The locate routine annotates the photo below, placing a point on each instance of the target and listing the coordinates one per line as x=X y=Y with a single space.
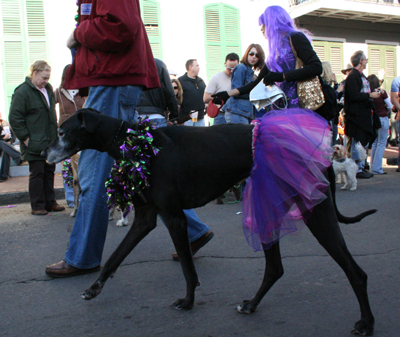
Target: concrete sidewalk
x=15 y=190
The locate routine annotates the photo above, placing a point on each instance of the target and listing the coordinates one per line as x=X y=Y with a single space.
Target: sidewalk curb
x=21 y=197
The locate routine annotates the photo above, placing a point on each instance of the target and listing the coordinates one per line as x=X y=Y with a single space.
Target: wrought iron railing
x=293 y=3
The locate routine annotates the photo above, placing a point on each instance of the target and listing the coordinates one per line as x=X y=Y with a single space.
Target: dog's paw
x=343 y=188
x=246 y=307
x=363 y=327
x=73 y=213
x=183 y=304
x=353 y=188
x=122 y=222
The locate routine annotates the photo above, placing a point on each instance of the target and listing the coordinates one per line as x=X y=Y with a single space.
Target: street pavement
x=313 y=298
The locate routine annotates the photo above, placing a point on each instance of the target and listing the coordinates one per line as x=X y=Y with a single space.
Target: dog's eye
x=60 y=133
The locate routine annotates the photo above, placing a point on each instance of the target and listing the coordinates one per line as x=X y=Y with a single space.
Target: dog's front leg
x=177 y=226
x=273 y=271
x=145 y=221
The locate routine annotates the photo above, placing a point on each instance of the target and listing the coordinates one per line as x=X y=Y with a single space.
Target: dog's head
x=75 y=134
x=339 y=152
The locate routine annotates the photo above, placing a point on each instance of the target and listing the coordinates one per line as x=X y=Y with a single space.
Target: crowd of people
x=118 y=76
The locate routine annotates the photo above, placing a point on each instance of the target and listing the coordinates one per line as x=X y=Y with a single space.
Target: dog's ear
x=89 y=119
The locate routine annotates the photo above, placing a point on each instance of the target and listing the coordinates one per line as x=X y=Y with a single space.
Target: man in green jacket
x=33 y=120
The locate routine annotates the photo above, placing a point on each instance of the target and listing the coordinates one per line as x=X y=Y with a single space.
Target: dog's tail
x=363 y=153
x=341 y=218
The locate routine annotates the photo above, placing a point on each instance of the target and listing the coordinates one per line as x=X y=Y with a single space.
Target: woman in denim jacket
x=239 y=109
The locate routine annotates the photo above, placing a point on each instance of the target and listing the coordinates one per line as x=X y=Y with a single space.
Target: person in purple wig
x=291 y=147
x=280 y=31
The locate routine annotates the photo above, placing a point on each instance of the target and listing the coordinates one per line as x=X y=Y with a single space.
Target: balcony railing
x=293 y=3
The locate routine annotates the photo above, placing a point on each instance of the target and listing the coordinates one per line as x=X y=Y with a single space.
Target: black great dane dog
x=194 y=167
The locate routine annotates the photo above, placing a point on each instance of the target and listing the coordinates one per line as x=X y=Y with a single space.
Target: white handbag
x=266 y=95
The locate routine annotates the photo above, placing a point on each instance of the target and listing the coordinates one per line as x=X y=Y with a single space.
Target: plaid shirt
x=365 y=88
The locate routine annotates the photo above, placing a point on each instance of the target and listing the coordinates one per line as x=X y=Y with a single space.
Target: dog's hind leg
x=273 y=271
x=324 y=226
x=145 y=221
x=177 y=227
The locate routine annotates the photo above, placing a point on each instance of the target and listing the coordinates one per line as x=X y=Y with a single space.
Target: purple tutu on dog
x=291 y=151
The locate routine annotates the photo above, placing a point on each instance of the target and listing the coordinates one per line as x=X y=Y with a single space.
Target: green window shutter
x=333 y=53
x=36 y=34
x=13 y=51
x=24 y=41
x=150 y=12
x=222 y=35
x=319 y=48
x=382 y=57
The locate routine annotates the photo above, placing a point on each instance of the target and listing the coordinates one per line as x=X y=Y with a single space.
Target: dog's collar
x=111 y=144
x=342 y=160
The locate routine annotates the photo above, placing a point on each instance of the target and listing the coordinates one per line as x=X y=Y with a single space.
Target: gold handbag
x=309 y=91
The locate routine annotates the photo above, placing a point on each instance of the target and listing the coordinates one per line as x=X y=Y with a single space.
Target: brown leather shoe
x=63 y=269
x=55 y=208
x=39 y=212
x=197 y=244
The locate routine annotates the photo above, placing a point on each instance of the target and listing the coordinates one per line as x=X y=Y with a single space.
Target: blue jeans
x=90 y=228
x=69 y=195
x=398 y=128
x=235 y=118
x=200 y=122
x=196 y=228
x=219 y=119
x=158 y=122
x=379 y=145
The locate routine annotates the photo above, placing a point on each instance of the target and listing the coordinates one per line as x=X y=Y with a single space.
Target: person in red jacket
x=114 y=59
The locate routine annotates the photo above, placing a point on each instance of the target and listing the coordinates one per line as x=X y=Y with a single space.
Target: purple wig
x=277 y=23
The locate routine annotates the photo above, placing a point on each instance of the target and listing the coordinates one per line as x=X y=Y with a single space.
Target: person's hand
x=273 y=77
x=26 y=142
x=374 y=94
x=220 y=97
x=340 y=87
x=71 y=42
x=381 y=74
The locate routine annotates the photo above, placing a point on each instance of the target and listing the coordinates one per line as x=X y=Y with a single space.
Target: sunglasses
x=176 y=88
x=253 y=53
x=229 y=68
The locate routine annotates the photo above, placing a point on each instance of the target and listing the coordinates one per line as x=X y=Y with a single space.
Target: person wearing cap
x=346 y=73
x=347 y=70
x=221 y=82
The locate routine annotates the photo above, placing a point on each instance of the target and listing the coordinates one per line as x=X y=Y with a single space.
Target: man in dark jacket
x=193 y=91
x=33 y=120
x=114 y=59
x=159 y=104
x=358 y=107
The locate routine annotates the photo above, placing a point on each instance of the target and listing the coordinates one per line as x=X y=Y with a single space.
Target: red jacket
x=113 y=47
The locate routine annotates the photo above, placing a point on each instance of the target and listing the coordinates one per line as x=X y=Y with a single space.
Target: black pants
x=41 y=184
x=7 y=151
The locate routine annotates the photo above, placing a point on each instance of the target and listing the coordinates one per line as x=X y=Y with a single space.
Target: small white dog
x=346 y=168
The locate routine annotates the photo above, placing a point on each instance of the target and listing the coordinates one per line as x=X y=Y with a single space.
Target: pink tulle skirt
x=291 y=153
